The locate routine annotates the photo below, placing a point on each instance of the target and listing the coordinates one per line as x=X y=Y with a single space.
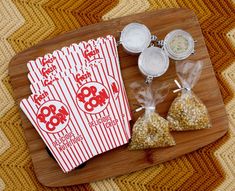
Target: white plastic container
x=178 y=44
x=153 y=62
x=135 y=37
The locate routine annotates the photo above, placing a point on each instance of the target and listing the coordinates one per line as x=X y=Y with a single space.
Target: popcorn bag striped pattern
x=79 y=105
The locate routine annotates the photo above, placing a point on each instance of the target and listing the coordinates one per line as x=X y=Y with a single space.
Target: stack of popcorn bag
x=78 y=104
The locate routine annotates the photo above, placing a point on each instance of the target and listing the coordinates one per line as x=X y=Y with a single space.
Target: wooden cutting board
x=120 y=161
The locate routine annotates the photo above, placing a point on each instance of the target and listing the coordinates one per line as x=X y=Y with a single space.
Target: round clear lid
x=135 y=37
x=179 y=44
x=153 y=62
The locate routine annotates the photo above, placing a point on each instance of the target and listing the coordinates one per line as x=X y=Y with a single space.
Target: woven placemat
x=24 y=23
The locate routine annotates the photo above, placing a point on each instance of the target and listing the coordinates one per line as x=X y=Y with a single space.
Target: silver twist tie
x=142 y=107
x=180 y=88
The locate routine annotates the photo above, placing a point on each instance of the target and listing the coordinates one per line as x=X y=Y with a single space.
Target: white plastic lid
x=179 y=44
x=153 y=62
x=135 y=37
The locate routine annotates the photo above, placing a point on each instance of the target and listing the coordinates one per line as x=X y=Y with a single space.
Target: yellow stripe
x=127 y=7
x=105 y=185
x=225 y=154
x=38 y=25
x=2 y=185
x=11 y=20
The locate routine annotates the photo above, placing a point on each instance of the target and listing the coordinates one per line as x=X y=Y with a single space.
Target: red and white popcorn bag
x=79 y=106
x=58 y=128
x=80 y=56
x=66 y=108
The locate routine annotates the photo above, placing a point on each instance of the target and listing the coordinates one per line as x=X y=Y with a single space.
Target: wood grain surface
x=120 y=161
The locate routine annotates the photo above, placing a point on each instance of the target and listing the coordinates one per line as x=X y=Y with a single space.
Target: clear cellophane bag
x=150 y=130
x=187 y=111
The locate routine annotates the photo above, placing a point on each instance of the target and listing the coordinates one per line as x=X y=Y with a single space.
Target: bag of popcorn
x=150 y=130
x=187 y=112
